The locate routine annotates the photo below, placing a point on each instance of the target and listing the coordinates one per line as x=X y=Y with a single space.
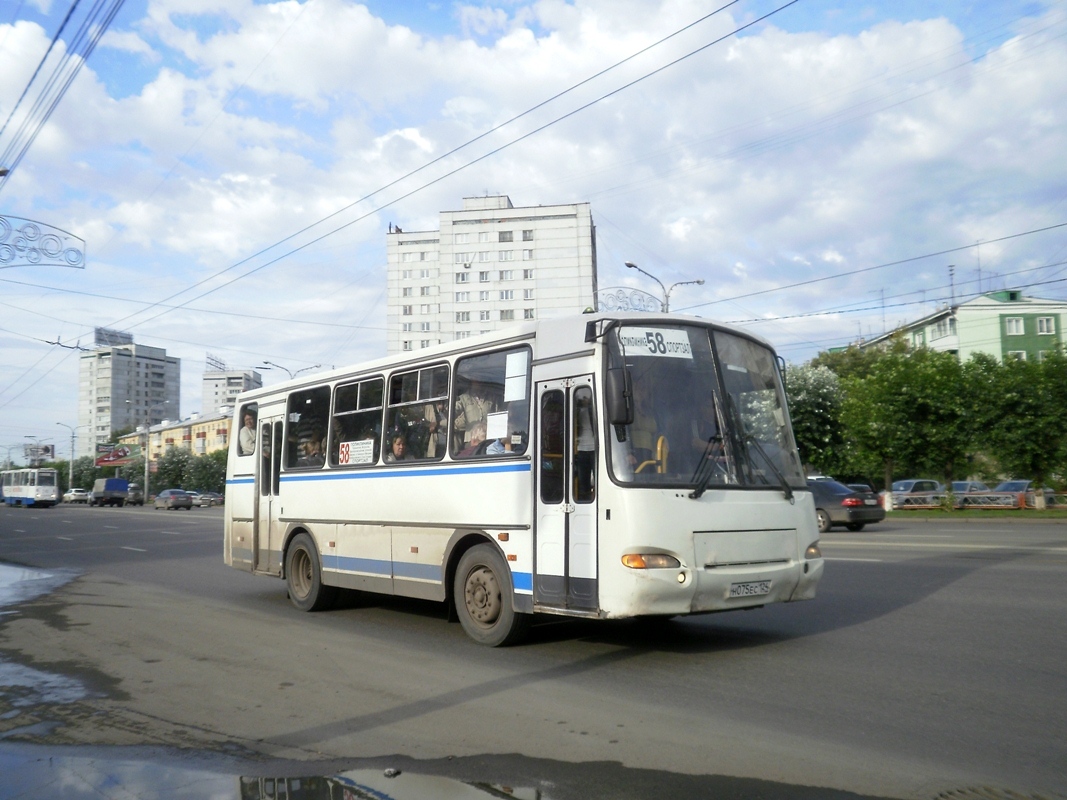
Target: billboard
x=39 y=453
x=117 y=455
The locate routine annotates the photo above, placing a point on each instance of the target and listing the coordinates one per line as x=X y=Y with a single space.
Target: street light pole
x=289 y=372
x=70 y=476
x=144 y=452
x=698 y=282
x=666 y=290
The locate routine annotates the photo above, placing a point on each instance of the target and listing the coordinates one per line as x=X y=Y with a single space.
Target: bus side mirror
x=620 y=396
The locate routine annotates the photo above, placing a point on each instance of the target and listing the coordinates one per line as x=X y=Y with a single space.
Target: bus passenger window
x=306 y=418
x=357 y=423
x=417 y=420
x=492 y=399
x=246 y=438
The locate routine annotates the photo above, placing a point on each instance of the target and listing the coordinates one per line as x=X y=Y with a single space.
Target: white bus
x=30 y=487
x=600 y=466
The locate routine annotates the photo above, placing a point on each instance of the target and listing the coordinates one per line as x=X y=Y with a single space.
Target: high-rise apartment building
x=487 y=266
x=221 y=386
x=122 y=385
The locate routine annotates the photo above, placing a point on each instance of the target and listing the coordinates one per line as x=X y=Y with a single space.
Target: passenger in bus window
x=436 y=415
x=476 y=445
x=311 y=452
x=246 y=439
x=472 y=407
x=398 y=450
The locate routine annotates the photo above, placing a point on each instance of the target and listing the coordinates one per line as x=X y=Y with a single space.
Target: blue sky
x=833 y=138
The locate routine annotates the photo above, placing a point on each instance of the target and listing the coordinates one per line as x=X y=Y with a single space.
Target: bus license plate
x=752 y=589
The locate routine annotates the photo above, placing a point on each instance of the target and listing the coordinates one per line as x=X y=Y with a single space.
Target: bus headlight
x=813 y=551
x=650 y=561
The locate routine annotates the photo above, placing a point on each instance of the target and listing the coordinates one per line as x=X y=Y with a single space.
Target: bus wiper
x=786 y=489
x=706 y=468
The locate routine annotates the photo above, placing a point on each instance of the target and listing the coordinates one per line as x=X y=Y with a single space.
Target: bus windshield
x=701 y=422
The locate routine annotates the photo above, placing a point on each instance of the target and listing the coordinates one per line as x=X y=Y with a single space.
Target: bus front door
x=565 y=536
x=264 y=558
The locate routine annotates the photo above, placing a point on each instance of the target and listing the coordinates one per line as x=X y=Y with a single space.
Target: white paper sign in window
x=515 y=376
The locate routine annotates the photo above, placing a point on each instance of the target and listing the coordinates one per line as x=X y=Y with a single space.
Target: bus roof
x=557 y=336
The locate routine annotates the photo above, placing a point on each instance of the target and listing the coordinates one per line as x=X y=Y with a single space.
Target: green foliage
x=173 y=470
x=815 y=399
x=207 y=473
x=914 y=413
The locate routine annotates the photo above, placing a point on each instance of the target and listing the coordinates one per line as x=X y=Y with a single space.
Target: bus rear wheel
x=303 y=576
x=482 y=593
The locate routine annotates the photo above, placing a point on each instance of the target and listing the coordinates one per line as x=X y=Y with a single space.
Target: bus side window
x=490 y=407
x=246 y=437
x=306 y=418
x=355 y=433
x=417 y=421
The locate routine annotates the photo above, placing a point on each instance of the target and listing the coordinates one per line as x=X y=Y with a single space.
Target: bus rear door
x=565 y=534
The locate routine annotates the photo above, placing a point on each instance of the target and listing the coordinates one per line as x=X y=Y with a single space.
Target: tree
x=173 y=469
x=1019 y=406
x=909 y=413
x=85 y=472
x=815 y=400
x=207 y=473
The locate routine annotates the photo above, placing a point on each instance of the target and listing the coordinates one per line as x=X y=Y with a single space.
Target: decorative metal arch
x=623 y=298
x=25 y=243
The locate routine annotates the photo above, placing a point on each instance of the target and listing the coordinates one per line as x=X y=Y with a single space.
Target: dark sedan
x=174 y=498
x=837 y=504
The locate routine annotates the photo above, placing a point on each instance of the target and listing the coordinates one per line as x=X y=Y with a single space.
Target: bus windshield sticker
x=515 y=376
x=656 y=342
x=360 y=451
x=496 y=425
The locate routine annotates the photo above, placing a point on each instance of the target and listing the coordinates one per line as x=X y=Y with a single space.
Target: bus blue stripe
x=406 y=473
x=522 y=581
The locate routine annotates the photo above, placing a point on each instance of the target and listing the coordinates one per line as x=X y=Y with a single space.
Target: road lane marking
x=135 y=549
x=112 y=527
x=66 y=538
x=950 y=546
x=875 y=560
x=172 y=533
x=66 y=521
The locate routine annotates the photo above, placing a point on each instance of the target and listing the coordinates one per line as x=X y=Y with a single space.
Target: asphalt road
x=933 y=661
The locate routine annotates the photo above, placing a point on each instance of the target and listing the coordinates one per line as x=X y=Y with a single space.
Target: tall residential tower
x=122 y=385
x=487 y=266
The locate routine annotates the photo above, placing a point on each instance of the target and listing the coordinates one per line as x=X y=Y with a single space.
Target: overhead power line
x=55 y=86
x=450 y=173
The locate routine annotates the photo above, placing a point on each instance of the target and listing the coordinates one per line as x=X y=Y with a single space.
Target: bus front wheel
x=303 y=576
x=482 y=592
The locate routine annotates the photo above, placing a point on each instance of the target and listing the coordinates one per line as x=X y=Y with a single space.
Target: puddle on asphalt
x=30 y=773
x=25 y=686
x=20 y=584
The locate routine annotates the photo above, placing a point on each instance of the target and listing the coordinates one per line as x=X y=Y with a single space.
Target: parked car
x=916 y=486
x=860 y=487
x=208 y=499
x=174 y=498
x=837 y=504
x=134 y=495
x=194 y=498
x=1025 y=487
x=964 y=487
x=76 y=496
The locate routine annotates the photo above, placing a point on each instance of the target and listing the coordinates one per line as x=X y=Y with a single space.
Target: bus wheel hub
x=483 y=595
